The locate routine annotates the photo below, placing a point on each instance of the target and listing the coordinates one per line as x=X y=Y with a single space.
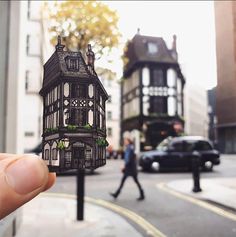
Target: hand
x=22 y=177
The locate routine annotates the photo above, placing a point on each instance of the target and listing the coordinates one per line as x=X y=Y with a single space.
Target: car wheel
x=155 y=166
x=208 y=166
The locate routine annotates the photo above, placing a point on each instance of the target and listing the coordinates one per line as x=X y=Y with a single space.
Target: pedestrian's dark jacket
x=130 y=161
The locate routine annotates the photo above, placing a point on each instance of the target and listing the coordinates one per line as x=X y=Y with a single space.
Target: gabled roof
x=138 y=51
x=58 y=64
x=67 y=64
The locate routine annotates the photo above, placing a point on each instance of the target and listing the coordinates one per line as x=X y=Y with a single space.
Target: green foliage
x=102 y=142
x=88 y=126
x=71 y=127
x=83 y=22
x=51 y=130
x=61 y=145
x=158 y=115
x=124 y=57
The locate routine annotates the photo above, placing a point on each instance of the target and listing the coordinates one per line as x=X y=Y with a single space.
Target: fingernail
x=25 y=175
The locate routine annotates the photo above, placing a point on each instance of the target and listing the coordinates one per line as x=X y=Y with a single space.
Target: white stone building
x=12 y=75
x=33 y=73
x=196 y=110
x=112 y=87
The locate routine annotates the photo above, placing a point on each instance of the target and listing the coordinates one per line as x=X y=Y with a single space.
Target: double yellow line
x=198 y=202
x=145 y=225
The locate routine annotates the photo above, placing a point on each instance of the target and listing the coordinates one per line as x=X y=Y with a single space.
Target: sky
x=192 y=22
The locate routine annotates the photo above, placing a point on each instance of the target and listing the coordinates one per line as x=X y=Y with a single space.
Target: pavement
x=54 y=214
x=51 y=215
x=221 y=191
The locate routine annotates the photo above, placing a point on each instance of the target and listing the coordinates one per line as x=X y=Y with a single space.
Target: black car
x=177 y=152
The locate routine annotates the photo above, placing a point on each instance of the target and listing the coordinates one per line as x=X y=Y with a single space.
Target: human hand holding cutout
x=22 y=177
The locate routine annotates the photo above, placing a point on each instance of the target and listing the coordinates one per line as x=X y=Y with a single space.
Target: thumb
x=21 y=179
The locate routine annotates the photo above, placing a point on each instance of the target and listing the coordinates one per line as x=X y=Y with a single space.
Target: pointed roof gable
x=67 y=64
x=148 y=49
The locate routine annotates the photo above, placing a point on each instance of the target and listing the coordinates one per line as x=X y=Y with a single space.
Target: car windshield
x=163 y=146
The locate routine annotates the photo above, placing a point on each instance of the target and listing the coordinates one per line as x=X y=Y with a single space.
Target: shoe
x=142 y=197
x=114 y=195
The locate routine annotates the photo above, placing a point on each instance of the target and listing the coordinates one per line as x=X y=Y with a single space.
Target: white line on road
x=198 y=202
x=145 y=225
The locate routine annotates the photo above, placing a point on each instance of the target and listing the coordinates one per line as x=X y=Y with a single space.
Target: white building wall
x=15 y=79
x=195 y=114
x=113 y=89
x=33 y=75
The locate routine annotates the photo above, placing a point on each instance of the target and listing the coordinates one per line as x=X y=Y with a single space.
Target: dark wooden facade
x=74 y=123
x=151 y=91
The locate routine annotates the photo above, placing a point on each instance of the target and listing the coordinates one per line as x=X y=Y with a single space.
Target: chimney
x=90 y=57
x=174 y=43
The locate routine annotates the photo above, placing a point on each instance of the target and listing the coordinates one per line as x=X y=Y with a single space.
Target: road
x=169 y=214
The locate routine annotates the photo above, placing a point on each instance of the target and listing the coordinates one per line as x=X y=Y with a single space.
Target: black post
x=196 y=159
x=80 y=195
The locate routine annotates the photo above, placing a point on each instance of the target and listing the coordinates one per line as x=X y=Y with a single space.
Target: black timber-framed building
x=152 y=94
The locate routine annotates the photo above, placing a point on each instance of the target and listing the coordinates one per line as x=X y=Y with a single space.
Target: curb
x=199 y=202
x=149 y=229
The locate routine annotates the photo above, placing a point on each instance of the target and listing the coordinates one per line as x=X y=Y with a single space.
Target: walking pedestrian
x=130 y=169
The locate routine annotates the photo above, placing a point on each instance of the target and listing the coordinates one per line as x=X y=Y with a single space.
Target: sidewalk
x=218 y=190
x=47 y=216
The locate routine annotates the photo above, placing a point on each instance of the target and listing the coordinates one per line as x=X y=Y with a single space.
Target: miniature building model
x=152 y=91
x=74 y=128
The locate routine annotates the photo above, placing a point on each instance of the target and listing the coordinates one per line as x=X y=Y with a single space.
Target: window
x=72 y=63
x=158 y=78
x=26 y=80
x=29 y=134
x=46 y=154
x=109 y=132
x=109 y=115
x=177 y=146
x=28 y=10
x=158 y=104
x=189 y=146
x=152 y=48
x=79 y=91
x=54 y=154
x=27 y=44
x=109 y=99
x=203 y=146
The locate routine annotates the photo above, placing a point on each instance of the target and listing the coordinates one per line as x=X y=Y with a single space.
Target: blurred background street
x=162 y=209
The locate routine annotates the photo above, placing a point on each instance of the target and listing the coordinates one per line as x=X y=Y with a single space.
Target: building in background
x=225 y=23
x=212 y=130
x=151 y=92
x=12 y=104
x=12 y=74
x=33 y=73
x=195 y=113
x=112 y=86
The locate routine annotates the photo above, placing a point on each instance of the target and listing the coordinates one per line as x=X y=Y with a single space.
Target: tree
x=84 y=22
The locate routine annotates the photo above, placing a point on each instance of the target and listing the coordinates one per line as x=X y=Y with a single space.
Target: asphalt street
x=169 y=214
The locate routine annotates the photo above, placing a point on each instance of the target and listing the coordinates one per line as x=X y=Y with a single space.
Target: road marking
x=140 y=221
x=198 y=202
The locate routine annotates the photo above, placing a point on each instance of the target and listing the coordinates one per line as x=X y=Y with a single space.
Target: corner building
x=151 y=92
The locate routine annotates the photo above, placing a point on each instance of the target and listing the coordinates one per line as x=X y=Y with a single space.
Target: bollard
x=196 y=159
